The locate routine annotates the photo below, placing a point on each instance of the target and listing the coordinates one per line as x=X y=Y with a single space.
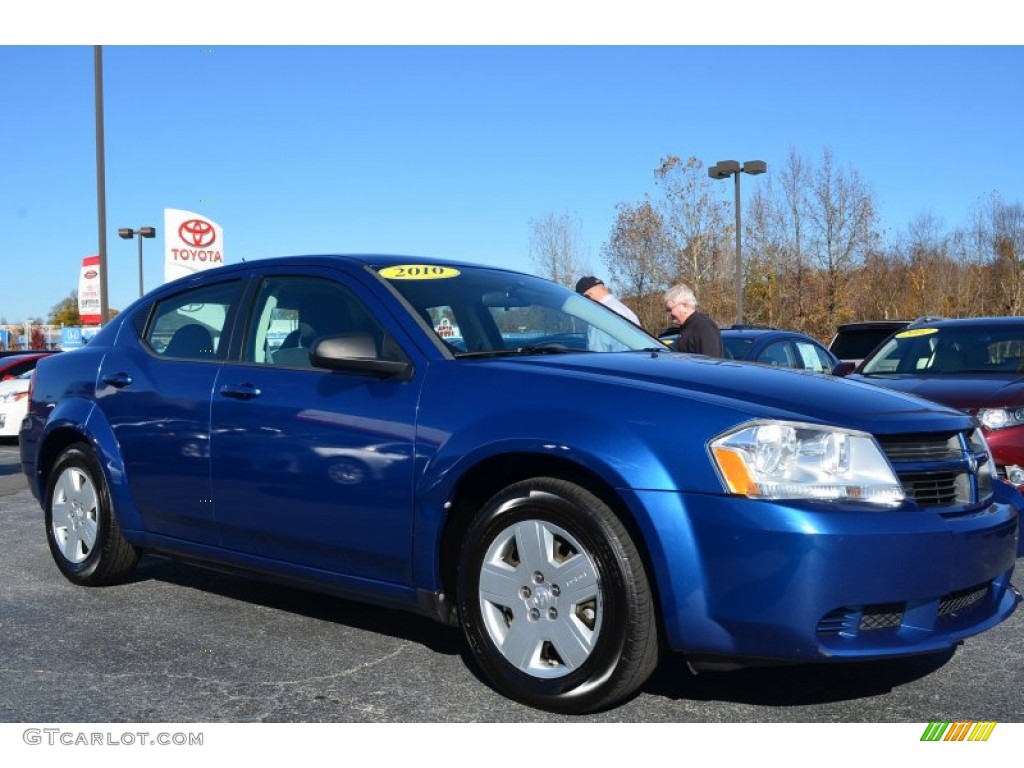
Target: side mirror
x=356 y=353
x=844 y=369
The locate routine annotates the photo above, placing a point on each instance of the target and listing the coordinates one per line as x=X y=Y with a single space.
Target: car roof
x=873 y=324
x=763 y=332
x=353 y=259
x=996 y=320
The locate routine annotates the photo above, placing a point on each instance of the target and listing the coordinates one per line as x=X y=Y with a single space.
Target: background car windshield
x=967 y=349
x=486 y=310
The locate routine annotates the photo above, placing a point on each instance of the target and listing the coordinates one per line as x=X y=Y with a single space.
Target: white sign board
x=192 y=243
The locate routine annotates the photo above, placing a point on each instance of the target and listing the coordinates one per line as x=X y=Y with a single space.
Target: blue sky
x=443 y=151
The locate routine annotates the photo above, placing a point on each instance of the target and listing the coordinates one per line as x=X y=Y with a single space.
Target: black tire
x=81 y=528
x=554 y=599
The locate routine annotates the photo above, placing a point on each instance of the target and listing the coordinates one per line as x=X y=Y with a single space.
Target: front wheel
x=554 y=598
x=82 y=531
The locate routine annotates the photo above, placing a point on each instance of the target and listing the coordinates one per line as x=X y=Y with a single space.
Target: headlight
x=13 y=397
x=1000 y=418
x=986 y=464
x=787 y=460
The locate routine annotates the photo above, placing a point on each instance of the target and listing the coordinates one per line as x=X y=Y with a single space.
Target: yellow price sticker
x=916 y=332
x=418 y=272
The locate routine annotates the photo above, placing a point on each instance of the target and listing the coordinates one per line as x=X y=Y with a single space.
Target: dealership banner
x=192 y=243
x=89 y=291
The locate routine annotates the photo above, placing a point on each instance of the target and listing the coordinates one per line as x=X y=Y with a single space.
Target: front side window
x=191 y=324
x=811 y=357
x=293 y=312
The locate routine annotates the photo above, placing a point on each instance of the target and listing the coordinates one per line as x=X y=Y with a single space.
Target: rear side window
x=858 y=343
x=190 y=325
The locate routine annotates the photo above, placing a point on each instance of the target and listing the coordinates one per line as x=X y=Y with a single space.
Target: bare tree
x=843 y=229
x=766 y=258
x=557 y=249
x=794 y=178
x=1003 y=229
x=637 y=257
x=697 y=224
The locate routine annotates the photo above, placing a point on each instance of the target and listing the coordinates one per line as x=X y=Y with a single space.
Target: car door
x=154 y=389
x=314 y=467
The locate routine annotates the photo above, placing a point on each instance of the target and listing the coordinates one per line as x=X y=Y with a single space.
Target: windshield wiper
x=529 y=349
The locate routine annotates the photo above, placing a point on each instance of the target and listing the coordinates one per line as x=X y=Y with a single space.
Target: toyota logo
x=197 y=232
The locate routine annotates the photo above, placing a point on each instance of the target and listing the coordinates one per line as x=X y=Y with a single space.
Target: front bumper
x=754 y=579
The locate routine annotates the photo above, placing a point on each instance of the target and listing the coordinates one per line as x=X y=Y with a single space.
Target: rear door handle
x=117 y=380
x=240 y=391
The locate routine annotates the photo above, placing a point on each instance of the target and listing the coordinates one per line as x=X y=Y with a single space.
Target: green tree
x=65 y=311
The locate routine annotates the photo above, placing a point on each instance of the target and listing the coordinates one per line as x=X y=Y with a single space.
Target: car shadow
x=792 y=685
x=398 y=624
x=789 y=685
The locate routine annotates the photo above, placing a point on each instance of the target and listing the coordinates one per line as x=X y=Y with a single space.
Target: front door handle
x=240 y=391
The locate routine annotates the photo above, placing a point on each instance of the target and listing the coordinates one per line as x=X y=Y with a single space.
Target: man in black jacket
x=698 y=333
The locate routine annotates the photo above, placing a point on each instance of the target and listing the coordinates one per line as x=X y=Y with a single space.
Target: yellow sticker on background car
x=916 y=332
x=418 y=272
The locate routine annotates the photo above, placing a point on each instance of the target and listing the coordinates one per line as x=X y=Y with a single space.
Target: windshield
x=478 y=311
x=974 y=348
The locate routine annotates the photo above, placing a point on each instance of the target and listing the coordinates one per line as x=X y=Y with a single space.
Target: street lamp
x=723 y=170
x=126 y=233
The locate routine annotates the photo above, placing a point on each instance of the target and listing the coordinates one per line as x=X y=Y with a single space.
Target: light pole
x=126 y=233
x=722 y=170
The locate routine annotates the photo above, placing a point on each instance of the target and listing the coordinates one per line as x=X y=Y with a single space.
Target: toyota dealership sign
x=192 y=243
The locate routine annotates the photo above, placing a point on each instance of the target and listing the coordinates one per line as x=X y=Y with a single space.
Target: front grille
x=922 y=447
x=852 y=621
x=937 y=489
x=936 y=469
x=881 y=616
x=963 y=601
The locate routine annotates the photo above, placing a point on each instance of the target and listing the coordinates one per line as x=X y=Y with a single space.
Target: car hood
x=756 y=390
x=963 y=391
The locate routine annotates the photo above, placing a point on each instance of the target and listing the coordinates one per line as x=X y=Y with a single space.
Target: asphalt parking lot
x=179 y=644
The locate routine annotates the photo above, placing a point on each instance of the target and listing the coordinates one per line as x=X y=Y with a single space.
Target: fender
x=622 y=458
x=85 y=419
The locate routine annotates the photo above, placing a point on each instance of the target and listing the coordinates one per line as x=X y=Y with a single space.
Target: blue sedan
x=772 y=346
x=576 y=513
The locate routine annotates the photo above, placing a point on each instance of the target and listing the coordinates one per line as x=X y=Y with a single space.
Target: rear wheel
x=81 y=529
x=554 y=598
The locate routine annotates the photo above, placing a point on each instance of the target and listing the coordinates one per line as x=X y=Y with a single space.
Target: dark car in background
x=770 y=346
x=784 y=349
x=974 y=364
x=576 y=513
x=855 y=341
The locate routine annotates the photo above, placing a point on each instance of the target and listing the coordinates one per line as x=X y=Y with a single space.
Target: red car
x=15 y=365
x=975 y=364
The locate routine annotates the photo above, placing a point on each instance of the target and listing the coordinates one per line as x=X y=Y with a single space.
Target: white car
x=13 y=403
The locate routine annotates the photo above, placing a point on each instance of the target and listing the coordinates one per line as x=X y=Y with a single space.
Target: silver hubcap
x=74 y=514
x=540 y=596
